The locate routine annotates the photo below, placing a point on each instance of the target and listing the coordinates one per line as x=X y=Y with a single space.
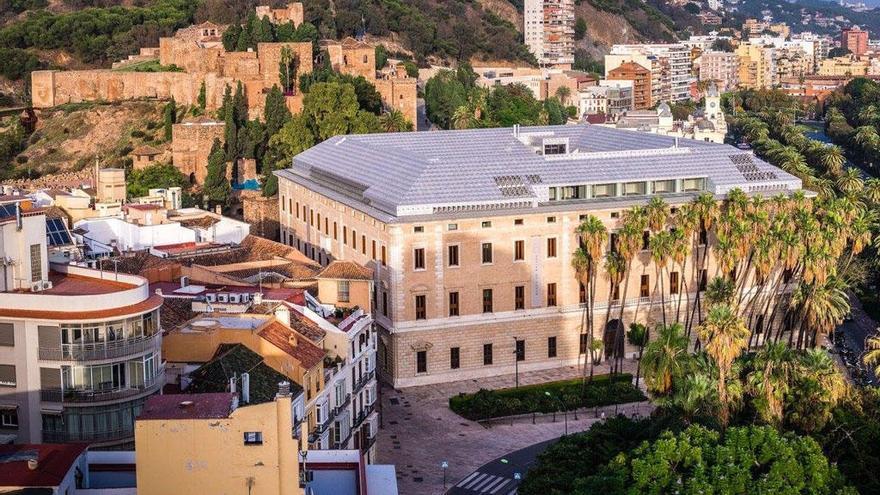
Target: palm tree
x=823 y=305
x=726 y=336
x=463 y=118
x=832 y=159
x=665 y=358
x=706 y=210
x=850 y=182
x=394 y=121
x=694 y=395
x=871 y=192
x=866 y=137
x=661 y=251
x=872 y=355
x=720 y=290
x=563 y=93
x=638 y=336
x=593 y=236
x=769 y=381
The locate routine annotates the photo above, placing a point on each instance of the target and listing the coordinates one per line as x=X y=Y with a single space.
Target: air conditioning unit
x=36 y=286
x=223 y=298
x=211 y=297
x=234 y=298
x=47 y=284
x=245 y=297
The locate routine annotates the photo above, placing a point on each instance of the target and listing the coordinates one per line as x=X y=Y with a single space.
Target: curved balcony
x=101 y=351
x=90 y=397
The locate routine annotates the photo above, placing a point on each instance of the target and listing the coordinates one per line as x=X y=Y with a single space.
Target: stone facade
x=535 y=294
x=261 y=213
x=358 y=58
x=191 y=143
x=292 y=13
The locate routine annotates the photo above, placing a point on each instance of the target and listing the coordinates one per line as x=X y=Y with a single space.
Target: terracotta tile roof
x=175 y=312
x=54 y=461
x=204 y=222
x=306 y=327
x=143 y=206
x=136 y=263
x=346 y=270
x=293 y=270
x=308 y=354
x=148 y=304
x=252 y=248
x=199 y=406
x=145 y=151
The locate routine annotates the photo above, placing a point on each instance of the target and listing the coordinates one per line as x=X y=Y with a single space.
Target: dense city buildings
x=855 y=40
x=722 y=68
x=670 y=66
x=80 y=349
x=471 y=265
x=757 y=65
x=548 y=27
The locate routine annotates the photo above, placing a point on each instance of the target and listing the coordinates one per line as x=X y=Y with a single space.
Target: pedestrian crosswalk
x=486 y=483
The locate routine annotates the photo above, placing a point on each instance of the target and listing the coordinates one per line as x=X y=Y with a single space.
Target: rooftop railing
x=104 y=350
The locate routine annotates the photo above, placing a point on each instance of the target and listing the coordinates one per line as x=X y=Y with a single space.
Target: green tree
x=202 y=99
x=665 y=358
x=394 y=121
x=161 y=175
x=444 y=94
x=381 y=56
x=294 y=137
x=276 y=113
x=754 y=459
x=637 y=336
x=725 y=336
x=331 y=108
x=288 y=70
x=217 y=188
x=169 y=117
x=580 y=28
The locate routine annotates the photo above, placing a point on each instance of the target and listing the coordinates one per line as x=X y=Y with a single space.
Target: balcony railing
x=80 y=396
x=364 y=380
x=361 y=416
x=368 y=443
x=342 y=405
x=90 y=436
x=97 y=351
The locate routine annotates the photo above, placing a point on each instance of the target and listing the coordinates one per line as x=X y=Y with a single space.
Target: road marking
x=470 y=476
x=475 y=481
x=496 y=484
x=479 y=487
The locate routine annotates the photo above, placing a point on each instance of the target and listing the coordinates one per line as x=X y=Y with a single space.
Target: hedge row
x=564 y=395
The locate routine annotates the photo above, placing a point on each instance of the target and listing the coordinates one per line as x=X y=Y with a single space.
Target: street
x=502 y=475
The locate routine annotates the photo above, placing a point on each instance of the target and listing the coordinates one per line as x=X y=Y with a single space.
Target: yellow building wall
x=209 y=455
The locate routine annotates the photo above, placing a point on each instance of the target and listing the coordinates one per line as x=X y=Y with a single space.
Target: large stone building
x=548 y=27
x=470 y=234
x=80 y=349
x=722 y=68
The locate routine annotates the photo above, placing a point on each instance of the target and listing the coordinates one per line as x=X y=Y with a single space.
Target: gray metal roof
x=410 y=173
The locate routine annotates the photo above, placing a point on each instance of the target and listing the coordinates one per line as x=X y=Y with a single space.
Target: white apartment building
x=608 y=98
x=548 y=29
x=670 y=66
x=80 y=349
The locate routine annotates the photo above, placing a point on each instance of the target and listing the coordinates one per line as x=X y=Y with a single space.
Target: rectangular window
x=551 y=247
x=551 y=294
x=453 y=255
x=689 y=185
x=422 y=362
x=673 y=282
x=9 y=418
x=644 y=290
x=704 y=236
x=7 y=375
x=344 y=234
x=452 y=226
x=487 y=300
x=551 y=219
x=604 y=190
x=36 y=263
x=634 y=188
x=518 y=221
x=354 y=239
x=7 y=334
x=518 y=250
x=486 y=224
x=582 y=293
x=253 y=438
x=614 y=239
x=335 y=232
x=453 y=304
x=419 y=258
x=585 y=340
x=421 y=311
x=364 y=245
x=374 y=249
x=297 y=210
x=487 y=252
x=312 y=218
x=418 y=229
x=520 y=350
x=384 y=303
x=551 y=347
x=519 y=297
x=384 y=258
x=646 y=240
x=342 y=290
x=663 y=186
x=304 y=212
x=487 y=354
x=454 y=356
x=704 y=279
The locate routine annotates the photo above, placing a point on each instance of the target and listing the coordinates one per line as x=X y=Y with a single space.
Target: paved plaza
x=420 y=431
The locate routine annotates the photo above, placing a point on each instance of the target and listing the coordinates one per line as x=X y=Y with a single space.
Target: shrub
x=567 y=394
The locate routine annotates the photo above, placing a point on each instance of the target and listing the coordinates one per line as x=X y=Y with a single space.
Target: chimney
x=284 y=389
x=232 y=384
x=516 y=130
x=245 y=387
x=676 y=142
x=218 y=210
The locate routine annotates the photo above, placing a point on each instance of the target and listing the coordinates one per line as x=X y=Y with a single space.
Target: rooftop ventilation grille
x=512 y=186
x=750 y=170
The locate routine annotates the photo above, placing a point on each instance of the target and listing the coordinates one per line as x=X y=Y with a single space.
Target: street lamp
x=444 y=466
x=564 y=410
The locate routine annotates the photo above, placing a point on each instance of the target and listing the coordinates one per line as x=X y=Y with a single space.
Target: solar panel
x=750 y=170
x=56 y=232
x=7 y=210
